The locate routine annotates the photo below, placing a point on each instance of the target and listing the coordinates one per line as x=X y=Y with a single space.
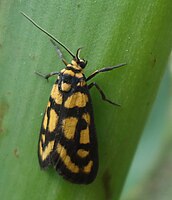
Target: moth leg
x=105 y=69
x=101 y=93
x=59 y=52
x=48 y=75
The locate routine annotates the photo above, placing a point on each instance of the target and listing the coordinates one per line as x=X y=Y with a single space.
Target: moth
x=67 y=138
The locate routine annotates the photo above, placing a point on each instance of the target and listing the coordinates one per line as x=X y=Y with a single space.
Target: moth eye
x=83 y=64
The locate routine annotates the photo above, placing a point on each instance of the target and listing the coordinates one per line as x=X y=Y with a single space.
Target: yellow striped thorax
x=72 y=76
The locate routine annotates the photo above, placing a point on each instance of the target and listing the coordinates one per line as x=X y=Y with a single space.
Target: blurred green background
x=150 y=174
x=136 y=32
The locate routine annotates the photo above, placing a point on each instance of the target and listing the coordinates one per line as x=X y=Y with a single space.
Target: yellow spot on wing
x=44 y=154
x=69 y=127
x=43 y=138
x=86 y=117
x=82 y=153
x=48 y=105
x=53 y=120
x=45 y=117
x=65 y=87
x=66 y=159
x=88 y=167
x=77 y=99
x=45 y=120
x=84 y=136
x=56 y=95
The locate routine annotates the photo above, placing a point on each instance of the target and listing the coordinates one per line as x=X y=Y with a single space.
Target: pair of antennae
x=51 y=36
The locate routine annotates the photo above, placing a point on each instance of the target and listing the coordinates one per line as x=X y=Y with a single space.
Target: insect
x=68 y=137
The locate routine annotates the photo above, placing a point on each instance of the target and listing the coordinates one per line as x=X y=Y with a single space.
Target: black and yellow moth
x=68 y=137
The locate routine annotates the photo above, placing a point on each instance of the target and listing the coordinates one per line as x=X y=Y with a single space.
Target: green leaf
x=113 y=32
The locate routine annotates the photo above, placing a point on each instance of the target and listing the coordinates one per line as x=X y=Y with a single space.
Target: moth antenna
x=78 y=53
x=51 y=36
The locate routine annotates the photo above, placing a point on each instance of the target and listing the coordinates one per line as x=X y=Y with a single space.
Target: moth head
x=81 y=62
